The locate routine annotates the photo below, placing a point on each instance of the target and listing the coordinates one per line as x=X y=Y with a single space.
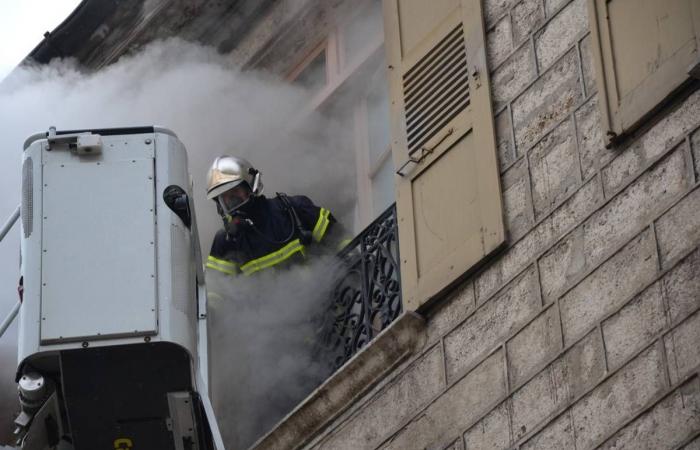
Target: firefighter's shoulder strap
x=305 y=235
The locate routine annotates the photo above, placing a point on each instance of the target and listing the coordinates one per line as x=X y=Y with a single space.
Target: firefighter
x=274 y=367
x=261 y=233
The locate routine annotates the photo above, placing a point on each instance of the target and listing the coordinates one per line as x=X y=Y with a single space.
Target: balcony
x=366 y=298
x=365 y=307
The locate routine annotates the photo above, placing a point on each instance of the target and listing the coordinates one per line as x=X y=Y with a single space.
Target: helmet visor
x=234 y=198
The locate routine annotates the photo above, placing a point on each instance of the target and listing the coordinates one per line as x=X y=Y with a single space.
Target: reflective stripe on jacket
x=248 y=252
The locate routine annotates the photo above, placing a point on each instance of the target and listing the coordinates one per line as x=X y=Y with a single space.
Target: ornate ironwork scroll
x=366 y=296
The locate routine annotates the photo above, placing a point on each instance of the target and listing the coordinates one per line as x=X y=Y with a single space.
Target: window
x=312 y=73
x=643 y=51
x=362 y=31
x=347 y=78
x=381 y=168
x=372 y=141
x=449 y=205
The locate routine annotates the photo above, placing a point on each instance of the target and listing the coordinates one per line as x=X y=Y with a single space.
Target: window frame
x=322 y=47
x=343 y=71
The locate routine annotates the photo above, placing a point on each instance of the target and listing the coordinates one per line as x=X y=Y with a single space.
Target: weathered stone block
x=682 y=287
x=682 y=348
x=512 y=76
x=516 y=200
x=679 y=229
x=495 y=9
x=605 y=289
x=527 y=16
x=491 y=432
x=382 y=415
x=554 y=168
x=634 y=326
x=566 y=261
x=491 y=324
x=561 y=33
x=551 y=98
x=454 y=411
x=551 y=6
x=616 y=222
x=576 y=208
x=693 y=445
x=499 y=43
x=653 y=143
x=636 y=206
x=451 y=311
x=618 y=398
x=539 y=399
x=550 y=229
x=456 y=445
x=563 y=264
x=556 y=436
x=558 y=384
x=533 y=345
x=590 y=138
x=667 y=424
x=512 y=262
x=504 y=140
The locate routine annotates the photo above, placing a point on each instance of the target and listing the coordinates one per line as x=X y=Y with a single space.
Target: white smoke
x=266 y=332
x=213 y=108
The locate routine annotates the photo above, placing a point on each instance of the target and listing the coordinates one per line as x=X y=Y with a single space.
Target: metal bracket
x=424 y=151
x=84 y=143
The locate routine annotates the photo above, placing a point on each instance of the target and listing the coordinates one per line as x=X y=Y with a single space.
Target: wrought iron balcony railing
x=366 y=296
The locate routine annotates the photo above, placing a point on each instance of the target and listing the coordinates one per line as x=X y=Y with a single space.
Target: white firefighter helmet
x=227 y=172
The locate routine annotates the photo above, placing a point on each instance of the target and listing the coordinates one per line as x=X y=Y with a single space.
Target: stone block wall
x=585 y=331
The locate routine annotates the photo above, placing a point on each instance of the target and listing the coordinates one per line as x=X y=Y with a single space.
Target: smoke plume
x=214 y=109
x=270 y=325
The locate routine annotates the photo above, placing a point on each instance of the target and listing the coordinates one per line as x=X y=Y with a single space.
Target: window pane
x=383 y=188
x=378 y=116
x=364 y=29
x=313 y=77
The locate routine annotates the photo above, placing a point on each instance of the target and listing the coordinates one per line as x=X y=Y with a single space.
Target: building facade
x=561 y=138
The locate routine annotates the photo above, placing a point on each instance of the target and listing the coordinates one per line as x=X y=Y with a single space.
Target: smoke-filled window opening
x=381 y=173
x=312 y=73
x=361 y=33
x=354 y=97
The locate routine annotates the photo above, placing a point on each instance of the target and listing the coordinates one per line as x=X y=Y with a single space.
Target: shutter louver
x=436 y=89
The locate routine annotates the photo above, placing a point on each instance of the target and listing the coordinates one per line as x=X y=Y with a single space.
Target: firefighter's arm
x=216 y=261
x=325 y=229
x=336 y=236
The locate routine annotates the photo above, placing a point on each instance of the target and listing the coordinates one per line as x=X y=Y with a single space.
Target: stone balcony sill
x=404 y=337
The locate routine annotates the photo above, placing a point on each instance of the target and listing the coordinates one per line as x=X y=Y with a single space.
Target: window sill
x=404 y=337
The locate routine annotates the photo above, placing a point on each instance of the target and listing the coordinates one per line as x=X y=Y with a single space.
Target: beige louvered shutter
x=448 y=194
x=643 y=50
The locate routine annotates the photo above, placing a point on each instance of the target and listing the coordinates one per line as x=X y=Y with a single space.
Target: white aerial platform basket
x=112 y=274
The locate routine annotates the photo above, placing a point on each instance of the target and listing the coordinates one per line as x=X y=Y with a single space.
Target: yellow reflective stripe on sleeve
x=344 y=243
x=222 y=265
x=321 y=225
x=227 y=271
x=273 y=258
x=222 y=262
x=221 y=269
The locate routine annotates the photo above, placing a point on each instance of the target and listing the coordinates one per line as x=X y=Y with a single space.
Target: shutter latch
x=424 y=151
